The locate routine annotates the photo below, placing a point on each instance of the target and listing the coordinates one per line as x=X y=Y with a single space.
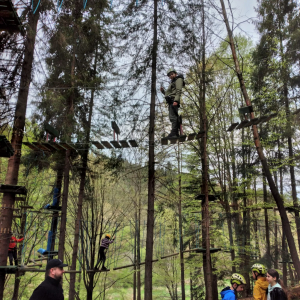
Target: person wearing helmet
x=172 y=96
x=103 y=248
x=259 y=272
x=237 y=285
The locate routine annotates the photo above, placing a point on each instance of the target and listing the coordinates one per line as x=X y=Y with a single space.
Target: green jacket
x=174 y=90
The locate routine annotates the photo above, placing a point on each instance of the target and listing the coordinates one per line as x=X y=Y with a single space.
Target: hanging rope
x=59 y=5
x=34 y=10
x=84 y=4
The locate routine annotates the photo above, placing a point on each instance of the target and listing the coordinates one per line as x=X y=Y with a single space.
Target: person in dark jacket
x=276 y=288
x=172 y=96
x=50 y=288
x=103 y=248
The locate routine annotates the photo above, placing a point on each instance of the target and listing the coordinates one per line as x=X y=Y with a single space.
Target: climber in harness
x=103 y=248
x=172 y=96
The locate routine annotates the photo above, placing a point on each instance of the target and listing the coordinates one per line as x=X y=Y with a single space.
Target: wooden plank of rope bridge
x=98 y=271
x=232 y=126
x=68 y=146
x=97 y=144
x=20 y=199
x=41 y=147
x=15 y=189
x=124 y=144
x=106 y=144
x=31 y=146
x=133 y=143
x=116 y=144
x=38 y=259
x=49 y=146
x=58 y=146
x=34 y=265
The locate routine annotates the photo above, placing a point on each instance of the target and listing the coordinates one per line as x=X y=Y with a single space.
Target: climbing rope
x=59 y=4
x=35 y=9
x=84 y=4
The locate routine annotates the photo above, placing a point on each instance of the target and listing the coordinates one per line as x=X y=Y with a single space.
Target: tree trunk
x=257 y=248
x=267 y=220
x=84 y=160
x=90 y=287
x=276 y=254
x=284 y=219
x=139 y=293
x=191 y=286
x=151 y=167
x=284 y=76
x=18 y=273
x=17 y=138
x=180 y=228
x=292 y=280
x=63 y=222
x=208 y=276
x=284 y=258
x=134 y=254
x=55 y=216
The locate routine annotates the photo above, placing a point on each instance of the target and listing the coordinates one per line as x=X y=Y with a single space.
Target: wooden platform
x=6 y=150
x=210 y=197
x=53 y=208
x=9 y=19
x=248 y=123
x=16 y=189
x=9 y=269
x=182 y=138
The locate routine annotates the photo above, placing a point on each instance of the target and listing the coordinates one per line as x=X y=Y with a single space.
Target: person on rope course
x=237 y=285
x=12 y=250
x=259 y=272
x=51 y=288
x=103 y=248
x=172 y=96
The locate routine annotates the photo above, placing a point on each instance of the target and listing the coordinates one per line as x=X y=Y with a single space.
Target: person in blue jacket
x=237 y=285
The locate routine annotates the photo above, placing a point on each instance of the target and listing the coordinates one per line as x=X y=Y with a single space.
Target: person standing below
x=103 y=247
x=172 y=96
x=50 y=288
x=237 y=285
x=261 y=285
x=12 y=250
x=276 y=288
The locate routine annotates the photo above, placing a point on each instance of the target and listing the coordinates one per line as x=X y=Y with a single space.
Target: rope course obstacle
x=121 y=253
x=246 y=121
x=53 y=146
x=182 y=137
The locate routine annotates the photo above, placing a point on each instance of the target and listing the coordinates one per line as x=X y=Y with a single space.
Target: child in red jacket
x=12 y=250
